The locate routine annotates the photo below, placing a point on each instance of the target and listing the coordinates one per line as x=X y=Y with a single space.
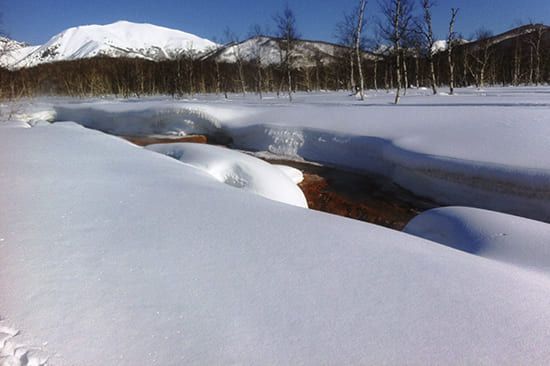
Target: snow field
x=113 y=254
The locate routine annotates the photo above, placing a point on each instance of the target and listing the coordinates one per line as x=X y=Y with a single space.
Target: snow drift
x=237 y=170
x=506 y=238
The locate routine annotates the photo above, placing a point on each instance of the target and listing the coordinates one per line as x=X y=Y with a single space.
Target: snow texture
x=113 y=254
x=238 y=170
x=506 y=238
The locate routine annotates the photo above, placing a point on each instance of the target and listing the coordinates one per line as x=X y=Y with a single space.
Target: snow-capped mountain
x=7 y=44
x=120 y=39
x=11 y=51
x=268 y=51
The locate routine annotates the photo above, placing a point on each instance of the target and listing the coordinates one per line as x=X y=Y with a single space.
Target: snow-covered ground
x=114 y=254
x=482 y=148
x=493 y=235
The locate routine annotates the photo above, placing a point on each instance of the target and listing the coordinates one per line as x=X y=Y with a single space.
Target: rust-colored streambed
x=358 y=196
x=369 y=198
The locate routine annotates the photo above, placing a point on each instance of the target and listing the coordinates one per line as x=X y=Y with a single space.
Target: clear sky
x=35 y=21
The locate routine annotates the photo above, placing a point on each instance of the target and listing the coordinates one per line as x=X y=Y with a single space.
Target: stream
x=366 y=197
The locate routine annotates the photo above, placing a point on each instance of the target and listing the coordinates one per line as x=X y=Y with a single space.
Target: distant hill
x=268 y=51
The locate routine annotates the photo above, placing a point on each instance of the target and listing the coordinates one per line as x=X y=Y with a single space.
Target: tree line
x=404 y=58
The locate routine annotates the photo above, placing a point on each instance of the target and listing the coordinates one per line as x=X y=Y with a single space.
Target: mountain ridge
x=118 y=39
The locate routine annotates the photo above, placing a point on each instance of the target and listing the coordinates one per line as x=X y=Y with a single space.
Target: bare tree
x=425 y=29
x=358 y=51
x=534 y=40
x=346 y=34
x=234 y=44
x=288 y=34
x=397 y=16
x=481 y=56
x=256 y=35
x=451 y=39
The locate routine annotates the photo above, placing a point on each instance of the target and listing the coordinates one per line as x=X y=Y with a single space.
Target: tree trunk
x=289 y=76
x=362 y=5
x=376 y=74
x=353 y=87
x=432 y=76
x=417 y=74
x=405 y=75
x=398 y=74
x=451 y=71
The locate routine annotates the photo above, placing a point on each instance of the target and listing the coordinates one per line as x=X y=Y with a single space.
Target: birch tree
x=535 y=43
x=481 y=56
x=346 y=34
x=235 y=45
x=397 y=18
x=451 y=39
x=425 y=29
x=256 y=53
x=358 y=51
x=288 y=34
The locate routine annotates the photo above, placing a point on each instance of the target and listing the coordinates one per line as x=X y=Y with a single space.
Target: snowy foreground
x=113 y=254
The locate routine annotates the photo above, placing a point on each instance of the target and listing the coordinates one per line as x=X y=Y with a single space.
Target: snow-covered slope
x=120 y=39
x=7 y=44
x=114 y=255
x=12 y=51
x=268 y=51
x=506 y=238
x=237 y=170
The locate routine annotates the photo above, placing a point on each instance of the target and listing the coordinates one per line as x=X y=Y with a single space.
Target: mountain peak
x=119 y=39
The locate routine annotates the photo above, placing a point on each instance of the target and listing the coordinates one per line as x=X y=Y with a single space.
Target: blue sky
x=35 y=21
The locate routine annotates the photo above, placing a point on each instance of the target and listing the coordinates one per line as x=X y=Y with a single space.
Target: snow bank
x=485 y=149
x=494 y=235
x=140 y=119
x=115 y=255
x=237 y=170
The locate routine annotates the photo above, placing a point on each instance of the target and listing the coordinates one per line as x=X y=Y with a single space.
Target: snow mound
x=237 y=170
x=294 y=174
x=119 y=39
x=511 y=239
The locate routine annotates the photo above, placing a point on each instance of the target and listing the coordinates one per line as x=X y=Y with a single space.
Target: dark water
x=364 y=197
